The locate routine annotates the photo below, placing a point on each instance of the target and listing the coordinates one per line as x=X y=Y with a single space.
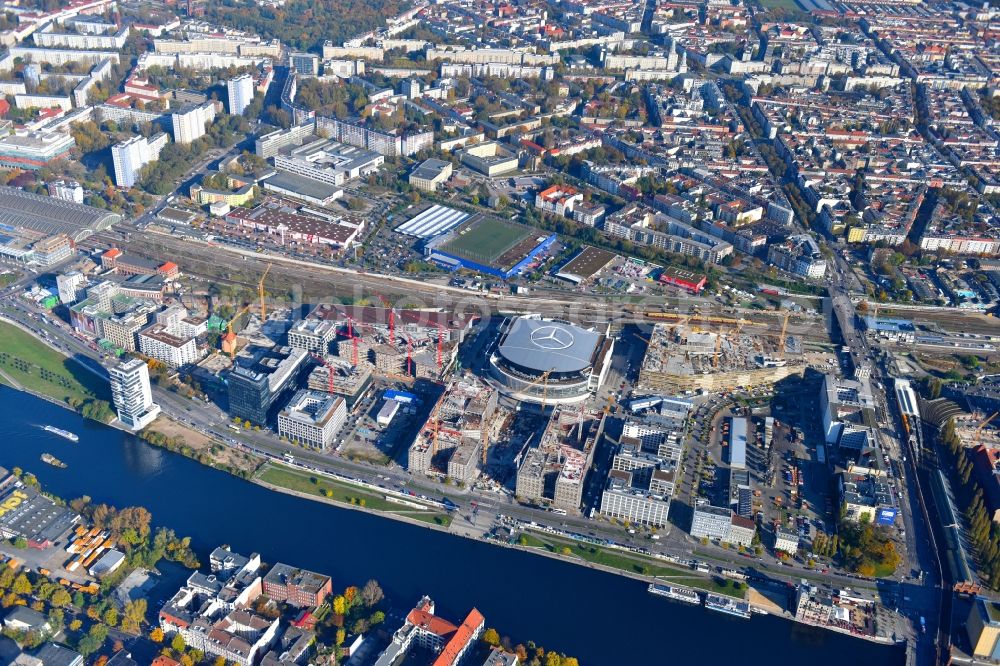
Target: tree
x=177 y=643
x=156 y=635
x=371 y=593
x=21 y=585
x=491 y=637
x=60 y=598
x=339 y=605
x=111 y=617
x=75 y=625
x=341 y=636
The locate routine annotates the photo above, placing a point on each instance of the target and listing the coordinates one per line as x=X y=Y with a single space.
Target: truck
x=923 y=625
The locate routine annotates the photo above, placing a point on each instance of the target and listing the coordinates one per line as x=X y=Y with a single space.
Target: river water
x=603 y=619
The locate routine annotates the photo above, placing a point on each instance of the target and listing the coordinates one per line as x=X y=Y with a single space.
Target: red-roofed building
x=558 y=199
x=687 y=280
x=165 y=661
x=462 y=640
x=426 y=630
x=169 y=270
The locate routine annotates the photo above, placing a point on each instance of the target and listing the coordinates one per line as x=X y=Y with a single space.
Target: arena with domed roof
x=549 y=361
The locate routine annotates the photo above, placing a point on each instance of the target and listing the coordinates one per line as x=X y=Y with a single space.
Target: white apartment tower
x=189 y=122
x=131 y=155
x=240 y=92
x=131 y=394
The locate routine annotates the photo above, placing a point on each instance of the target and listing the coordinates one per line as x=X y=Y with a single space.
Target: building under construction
x=683 y=358
x=339 y=377
x=456 y=435
x=390 y=342
x=555 y=470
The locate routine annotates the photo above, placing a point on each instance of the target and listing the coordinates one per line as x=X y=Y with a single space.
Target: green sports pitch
x=485 y=240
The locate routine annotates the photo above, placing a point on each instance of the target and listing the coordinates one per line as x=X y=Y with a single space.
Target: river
x=603 y=619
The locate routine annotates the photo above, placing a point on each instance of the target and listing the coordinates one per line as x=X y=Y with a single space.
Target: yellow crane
x=979 y=428
x=229 y=340
x=260 y=292
x=784 y=329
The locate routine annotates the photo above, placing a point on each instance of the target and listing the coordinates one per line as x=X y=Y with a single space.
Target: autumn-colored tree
x=21 y=585
x=177 y=643
x=60 y=598
x=491 y=637
x=75 y=625
x=156 y=635
x=339 y=605
x=350 y=594
x=341 y=635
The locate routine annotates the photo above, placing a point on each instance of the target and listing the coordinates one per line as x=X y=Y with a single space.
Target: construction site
x=455 y=440
x=553 y=471
x=682 y=356
x=402 y=345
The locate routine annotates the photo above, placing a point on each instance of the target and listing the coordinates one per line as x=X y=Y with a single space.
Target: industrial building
x=25 y=512
x=290 y=224
x=738 y=443
x=549 y=362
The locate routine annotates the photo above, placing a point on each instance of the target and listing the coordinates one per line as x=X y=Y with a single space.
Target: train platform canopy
x=49 y=215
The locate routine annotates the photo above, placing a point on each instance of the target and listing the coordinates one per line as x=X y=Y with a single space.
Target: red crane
x=354 y=339
x=409 y=356
x=440 y=344
x=330 y=372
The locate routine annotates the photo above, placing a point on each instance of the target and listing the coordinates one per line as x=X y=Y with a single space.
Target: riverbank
x=211 y=453
x=29 y=364
x=408 y=560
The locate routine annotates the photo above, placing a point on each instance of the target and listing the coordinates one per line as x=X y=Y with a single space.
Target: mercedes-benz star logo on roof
x=552 y=338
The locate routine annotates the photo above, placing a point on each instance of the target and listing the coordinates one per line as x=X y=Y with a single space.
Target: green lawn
x=780 y=4
x=36 y=366
x=606 y=556
x=311 y=484
x=710 y=585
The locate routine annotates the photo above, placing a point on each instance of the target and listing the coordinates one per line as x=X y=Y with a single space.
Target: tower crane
x=784 y=329
x=979 y=428
x=260 y=293
x=330 y=372
x=229 y=339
